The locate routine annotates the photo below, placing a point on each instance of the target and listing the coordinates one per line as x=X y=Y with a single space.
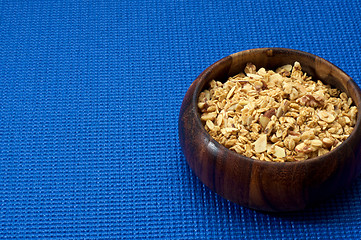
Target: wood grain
x=268 y=186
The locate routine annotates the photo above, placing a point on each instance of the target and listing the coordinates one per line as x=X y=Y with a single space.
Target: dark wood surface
x=268 y=186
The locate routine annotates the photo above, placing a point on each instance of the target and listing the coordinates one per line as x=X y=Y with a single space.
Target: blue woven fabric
x=90 y=93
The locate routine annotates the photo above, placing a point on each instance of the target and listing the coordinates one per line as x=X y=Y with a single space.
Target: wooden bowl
x=261 y=185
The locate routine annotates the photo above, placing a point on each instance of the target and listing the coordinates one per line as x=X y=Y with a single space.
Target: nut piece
x=210 y=125
x=289 y=143
x=230 y=93
x=328 y=142
x=316 y=143
x=326 y=116
x=309 y=101
x=209 y=116
x=261 y=144
x=263 y=120
x=250 y=68
x=284 y=68
x=283 y=108
x=270 y=113
x=279 y=152
x=304 y=148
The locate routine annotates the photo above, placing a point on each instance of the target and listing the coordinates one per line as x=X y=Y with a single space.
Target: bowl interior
x=272 y=58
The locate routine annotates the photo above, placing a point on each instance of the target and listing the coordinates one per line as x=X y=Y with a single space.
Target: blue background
x=90 y=93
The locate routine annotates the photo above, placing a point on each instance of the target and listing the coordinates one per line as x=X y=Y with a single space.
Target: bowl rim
x=201 y=82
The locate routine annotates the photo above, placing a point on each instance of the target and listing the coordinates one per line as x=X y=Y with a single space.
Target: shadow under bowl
x=261 y=185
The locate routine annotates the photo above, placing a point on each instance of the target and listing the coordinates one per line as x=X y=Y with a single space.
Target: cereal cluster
x=280 y=115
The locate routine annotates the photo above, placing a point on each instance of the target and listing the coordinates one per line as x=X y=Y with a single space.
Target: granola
x=280 y=115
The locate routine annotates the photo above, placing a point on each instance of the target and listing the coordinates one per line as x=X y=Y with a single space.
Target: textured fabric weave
x=90 y=93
